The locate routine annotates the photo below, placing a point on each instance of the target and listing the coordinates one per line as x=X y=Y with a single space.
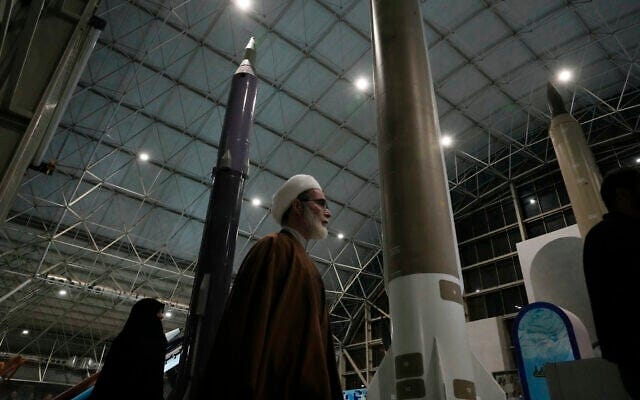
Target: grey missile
x=430 y=349
x=217 y=248
x=577 y=164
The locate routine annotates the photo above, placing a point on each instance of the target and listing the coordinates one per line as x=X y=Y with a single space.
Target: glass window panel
x=562 y=194
x=571 y=219
x=535 y=228
x=514 y=238
x=468 y=254
x=476 y=308
x=484 y=249
x=464 y=230
x=509 y=212
x=512 y=299
x=544 y=184
x=554 y=222
x=494 y=304
x=548 y=199
x=480 y=225
x=472 y=280
x=526 y=190
x=495 y=218
x=523 y=295
x=501 y=244
x=489 y=276
x=530 y=209
x=506 y=271
x=516 y=264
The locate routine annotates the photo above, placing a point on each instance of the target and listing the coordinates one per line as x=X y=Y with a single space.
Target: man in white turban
x=274 y=340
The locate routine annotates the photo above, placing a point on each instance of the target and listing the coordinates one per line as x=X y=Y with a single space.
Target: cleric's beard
x=317 y=230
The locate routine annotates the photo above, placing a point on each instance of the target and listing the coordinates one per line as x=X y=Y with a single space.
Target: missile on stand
x=430 y=348
x=217 y=249
x=577 y=164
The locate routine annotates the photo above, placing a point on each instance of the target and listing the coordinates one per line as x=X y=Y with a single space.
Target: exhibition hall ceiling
x=111 y=225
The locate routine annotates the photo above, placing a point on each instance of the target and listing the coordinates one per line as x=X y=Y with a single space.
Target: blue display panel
x=542 y=334
x=357 y=394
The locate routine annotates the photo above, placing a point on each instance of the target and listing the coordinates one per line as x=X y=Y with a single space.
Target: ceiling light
x=168 y=314
x=62 y=292
x=446 y=141
x=638 y=160
x=256 y=202
x=144 y=156
x=532 y=201
x=477 y=290
x=518 y=307
x=244 y=5
x=25 y=331
x=362 y=84
x=565 y=76
x=340 y=236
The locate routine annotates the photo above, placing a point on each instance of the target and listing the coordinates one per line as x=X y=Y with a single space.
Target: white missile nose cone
x=250 y=50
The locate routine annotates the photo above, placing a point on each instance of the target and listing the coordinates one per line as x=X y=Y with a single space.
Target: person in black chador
x=612 y=268
x=134 y=366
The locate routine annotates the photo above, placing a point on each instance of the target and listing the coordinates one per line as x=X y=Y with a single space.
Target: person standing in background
x=134 y=366
x=612 y=268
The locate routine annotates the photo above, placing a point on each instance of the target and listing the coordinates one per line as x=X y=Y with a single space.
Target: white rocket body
x=430 y=354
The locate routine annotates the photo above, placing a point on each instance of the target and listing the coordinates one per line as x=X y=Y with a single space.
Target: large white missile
x=580 y=173
x=430 y=349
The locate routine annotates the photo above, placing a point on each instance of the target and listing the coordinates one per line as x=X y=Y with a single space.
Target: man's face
x=316 y=214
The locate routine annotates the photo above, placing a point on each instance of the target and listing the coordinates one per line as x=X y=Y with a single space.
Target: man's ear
x=297 y=206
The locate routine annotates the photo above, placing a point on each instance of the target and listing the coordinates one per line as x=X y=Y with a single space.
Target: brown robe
x=274 y=340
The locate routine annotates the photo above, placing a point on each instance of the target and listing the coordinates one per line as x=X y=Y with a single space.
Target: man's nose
x=327 y=213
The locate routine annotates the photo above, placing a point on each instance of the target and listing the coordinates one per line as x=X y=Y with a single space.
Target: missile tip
x=250 y=50
x=556 y=104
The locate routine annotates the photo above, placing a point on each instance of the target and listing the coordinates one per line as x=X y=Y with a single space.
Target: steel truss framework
x=109 y=228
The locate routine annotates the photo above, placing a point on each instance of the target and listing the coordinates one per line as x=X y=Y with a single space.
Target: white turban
x=288 y=192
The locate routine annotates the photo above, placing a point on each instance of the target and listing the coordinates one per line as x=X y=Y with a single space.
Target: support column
x=367 y=340
x=518 y=209
x=342 y=369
